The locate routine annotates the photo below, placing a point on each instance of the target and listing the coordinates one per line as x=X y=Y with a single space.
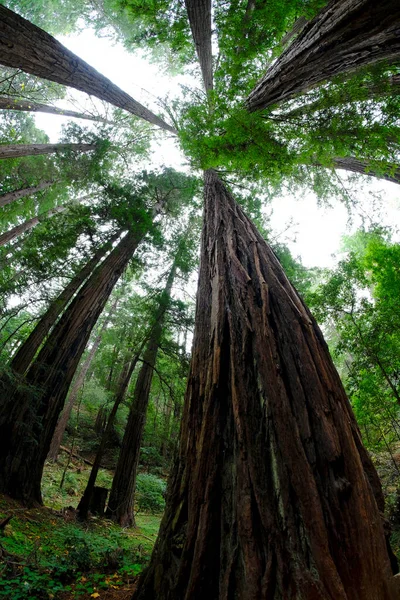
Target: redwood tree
x=27 y=47
x=17 y=150
x=22 y=193
x=28 y=417
x=344 y=36
x=272 y=494
x=121 y=502
x=18 y=230
x=10 y=103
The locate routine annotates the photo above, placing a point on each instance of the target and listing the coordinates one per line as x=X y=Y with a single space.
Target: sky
x=312 y=233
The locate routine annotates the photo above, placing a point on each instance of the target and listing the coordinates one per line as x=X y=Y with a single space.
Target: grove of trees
x=264 y=427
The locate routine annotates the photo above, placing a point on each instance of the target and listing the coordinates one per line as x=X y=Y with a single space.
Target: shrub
x=150 y=493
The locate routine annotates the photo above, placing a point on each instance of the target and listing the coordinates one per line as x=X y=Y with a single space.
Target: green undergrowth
x=45 y=553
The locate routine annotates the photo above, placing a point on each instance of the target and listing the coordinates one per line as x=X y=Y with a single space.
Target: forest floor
x=46 y=554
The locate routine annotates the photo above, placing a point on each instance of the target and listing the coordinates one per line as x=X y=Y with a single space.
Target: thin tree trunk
x=272 y=494
x=18 y=230
x=10 y=103
x=29 y=48
x=125 y=377
x=29 y=191
x=17 y=150
x=344 y=36
x=121 y=502
x=27 y=351
x=73 y=394
x=199 y=13
x=28 y=420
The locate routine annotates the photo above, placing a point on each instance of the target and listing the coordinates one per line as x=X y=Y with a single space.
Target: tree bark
x=10 y=103
x=379 y=169
x=272 y=494
x=344 y=36
x=17 y=150
x=121 y=502
x=72 y=397
x=125 y=377
x=298 y=26
x=199 y=13
x=29 y=191
x=29 y=48
x=27 y=351
x=18 y=230
x=28 y=417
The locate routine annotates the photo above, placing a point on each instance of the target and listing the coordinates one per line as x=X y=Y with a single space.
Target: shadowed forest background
x=166 y=357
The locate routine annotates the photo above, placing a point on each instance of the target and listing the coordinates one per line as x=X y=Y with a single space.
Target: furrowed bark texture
x=344 y=36
x=269 y=497
x=18 y=230
x=125 y=377
x=17 y=150
x=9 y=103
x=27 y=351
x=28 y=420
x=199 y=13
x=121 y=502
x=11 y=196
x=26 y=47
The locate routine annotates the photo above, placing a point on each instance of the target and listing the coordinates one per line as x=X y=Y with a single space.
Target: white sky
x=317 y=231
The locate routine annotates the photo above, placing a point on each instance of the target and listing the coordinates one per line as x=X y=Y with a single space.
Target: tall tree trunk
x=199 y=13
x=10 y=103
x=298 y=26
x=344 y=36
x=18 y=230
x=29 y=48
x=121 y=502
x=269 y=497
x=28 y=417
x=73 y=394
x=27 y=351
x=379 y=169
x=124 y=379
x=11 y=196
x=17 y=150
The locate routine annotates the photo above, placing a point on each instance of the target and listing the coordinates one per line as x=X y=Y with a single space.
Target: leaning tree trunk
x=18 y=230
x=269 y=497
x=379 y=169
x=11 y=196
x=28 y=417
x=9 y=103
x=26 y=47
x=125 y=377
x=17 y=150
x=73 y=395
x=344 y=36
x=27 y=351
x=121 y=502
x=199 y=13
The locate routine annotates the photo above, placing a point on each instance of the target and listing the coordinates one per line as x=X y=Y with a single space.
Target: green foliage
x=150 y=493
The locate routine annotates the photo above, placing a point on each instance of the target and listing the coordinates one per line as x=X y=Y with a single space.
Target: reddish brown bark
x=344 y=36
x=27 y=351
x=9 y=103
x=18 y=230
x=28 y=418
x=17 y=150
x=272 y=495
x=25 y=46
x=11 y=196
x=121 y=502
x=199 y=13
x=378 y=169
